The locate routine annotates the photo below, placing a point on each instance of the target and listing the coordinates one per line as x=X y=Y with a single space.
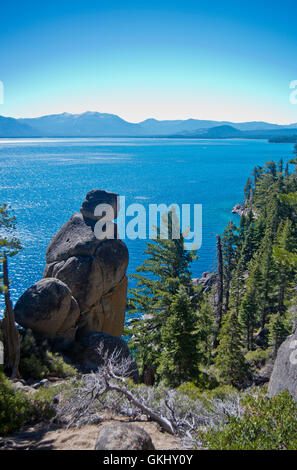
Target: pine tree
x=165 y=272
x=229 y=240
x=230 y=360
x=9 y=246
x=205 y=329
x=285 y=257
x=251 y=304
x=179 y=360
x=279 y=329
x=248 y=189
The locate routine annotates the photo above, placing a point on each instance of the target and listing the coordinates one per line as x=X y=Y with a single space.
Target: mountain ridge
x=96 y=124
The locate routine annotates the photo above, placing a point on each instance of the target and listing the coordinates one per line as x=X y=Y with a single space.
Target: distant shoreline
x=142 y=137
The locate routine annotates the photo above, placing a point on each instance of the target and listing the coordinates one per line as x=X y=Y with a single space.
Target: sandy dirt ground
x=53 y=437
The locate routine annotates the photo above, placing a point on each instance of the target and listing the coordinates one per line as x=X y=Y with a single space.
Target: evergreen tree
x=279 y=329
x=9 y=246
x=251 y=304
x=205 y=329
x=248 y=189
x=165 y=273
x=179 y=360
x=230 y=360
x=229 y=240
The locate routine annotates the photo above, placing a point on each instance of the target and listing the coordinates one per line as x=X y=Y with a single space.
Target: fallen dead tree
x=109 y=388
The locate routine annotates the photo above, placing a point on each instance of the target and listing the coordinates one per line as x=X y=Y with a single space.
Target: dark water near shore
x=45 y=181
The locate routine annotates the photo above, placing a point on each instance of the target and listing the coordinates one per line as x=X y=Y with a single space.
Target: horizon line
x=149 y=118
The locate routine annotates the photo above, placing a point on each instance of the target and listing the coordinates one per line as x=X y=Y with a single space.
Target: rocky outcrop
x=207 y=281
x=49 y=309
x=93 y=269
x=284 y=374
x=95 y=345
x=84 y=286
x=123 y=436
x=242 y=209
x=95 y=272
x=93 y=199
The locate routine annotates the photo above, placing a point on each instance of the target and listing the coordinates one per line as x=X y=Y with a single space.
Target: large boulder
x=74 y=238
x=123 y=436
x=93 y=269
x=49 y=309
x=284 y=374
x=96 y=345
x=84 y=285
x=96 y=197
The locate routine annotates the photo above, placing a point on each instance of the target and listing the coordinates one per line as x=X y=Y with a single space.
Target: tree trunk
x=161 y=420
x=219 y=288
x=11 y=338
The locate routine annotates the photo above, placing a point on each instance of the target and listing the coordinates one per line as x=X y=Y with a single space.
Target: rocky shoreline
x=242 y=209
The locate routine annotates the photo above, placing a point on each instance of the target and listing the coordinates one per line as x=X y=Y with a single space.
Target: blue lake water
x=45 y=181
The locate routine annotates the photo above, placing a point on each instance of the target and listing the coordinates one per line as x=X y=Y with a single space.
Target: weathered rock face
x=284 y=374
x=94 y=270
x=91 y=358
x=84 y=286
x=122 y=436
x=207 y=281
x=49 y=309
x=96 y=197
x=242 y=209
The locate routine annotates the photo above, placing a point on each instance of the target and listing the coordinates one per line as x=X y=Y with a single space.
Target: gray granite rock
x=49 y=309
x=123 y=436
x=92 y=359
x=284 y=374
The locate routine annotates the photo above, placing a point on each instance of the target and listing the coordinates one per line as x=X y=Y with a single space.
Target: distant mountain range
x=284 y=134
x=95 y=124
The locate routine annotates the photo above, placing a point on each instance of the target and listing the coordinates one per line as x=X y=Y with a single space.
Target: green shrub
x=32 y=367
x=266 y=424
x=221 y=392
x=38 y=361
x=58 y=366
x=257 y=358
x=18 y=408
x=190 y=390
x=14 y=407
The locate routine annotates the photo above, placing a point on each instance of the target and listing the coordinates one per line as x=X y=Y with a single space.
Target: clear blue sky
x=172 y=59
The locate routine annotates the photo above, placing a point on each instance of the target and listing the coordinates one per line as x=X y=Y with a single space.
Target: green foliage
x=33 y=367
x=260 y=263
x=180 y=357
x=230 y=360
x=266 y=424
x=9 y=244
x=14 y=407
x=279 y=329
x=38 y=361
x=18 y=408
x=212 y=392
x=175 y=327
x=257 y=358
x=165 y=326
